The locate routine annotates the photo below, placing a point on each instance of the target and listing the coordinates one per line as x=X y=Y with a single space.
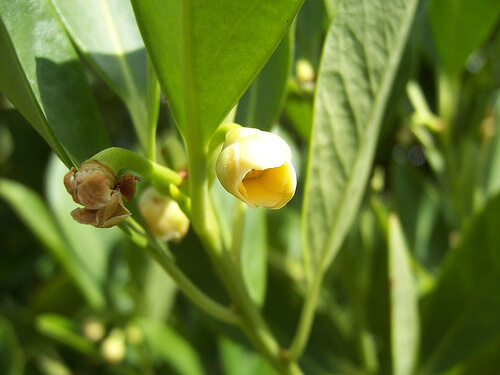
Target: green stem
x=153 y=107
x=449 y=87
x=184 y=283
x=119 y=158
x=240 y=208
x=422 y=110
x=139 y=116
x=206 y=226
x=203 y=217
x=306 y=318
x=165 y=180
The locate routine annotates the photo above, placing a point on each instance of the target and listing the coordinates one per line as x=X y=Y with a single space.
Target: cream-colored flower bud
x=94 y=329
x=113 y=348
x=256 y=167
x=163 y=215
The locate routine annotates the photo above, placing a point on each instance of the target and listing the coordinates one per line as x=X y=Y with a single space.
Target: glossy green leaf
x=364 y=46
x=35 y=214
x=46 y=81
x=114 y=47
x=168 y=346
x=259 y=107
x=404 y=302
x=206 y=53
x=459 y=27
x=461 y=314
x=253 y=254
x=238 y=360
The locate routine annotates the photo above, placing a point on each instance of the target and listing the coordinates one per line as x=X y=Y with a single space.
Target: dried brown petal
x=110 y=215
x=95 y=165
x=84 y=216
x=96 y=187
x=127 y=186
x=70 y=184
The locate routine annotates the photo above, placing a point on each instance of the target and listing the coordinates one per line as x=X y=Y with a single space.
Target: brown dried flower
x=96 y=187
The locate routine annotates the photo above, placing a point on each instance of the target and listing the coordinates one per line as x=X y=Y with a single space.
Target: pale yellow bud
x=113 y=348
x=305 y=71
x=256 y=167
x=93 y=329
x=163 y=216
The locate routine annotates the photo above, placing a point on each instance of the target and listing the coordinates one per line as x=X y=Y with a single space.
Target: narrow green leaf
x=459 y=27
x=206 y=53
x=364 y=46
x=51 y=365
x=90 y=247
x=492 y=165
x=238 y=360
x=33 y=211
x=461 y=315
x=10 y=349
x=114 y=47
x=253 y=254
x=46 y=81
x=64 y=330
x=259 y=107
x=404 y=302
x=158 y=292
x=167 y=346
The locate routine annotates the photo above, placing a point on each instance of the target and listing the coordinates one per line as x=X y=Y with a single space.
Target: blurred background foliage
x=75 y=300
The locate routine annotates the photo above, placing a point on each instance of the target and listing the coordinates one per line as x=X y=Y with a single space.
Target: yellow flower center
x=267 y=187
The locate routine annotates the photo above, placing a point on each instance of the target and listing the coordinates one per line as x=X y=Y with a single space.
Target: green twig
x=422 y=111
x=153 y=107
x=306 y=317
x=165 y=180
x=159 y=252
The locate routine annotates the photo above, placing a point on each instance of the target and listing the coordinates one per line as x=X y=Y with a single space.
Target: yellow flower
x=163 y=215
x=256 y=167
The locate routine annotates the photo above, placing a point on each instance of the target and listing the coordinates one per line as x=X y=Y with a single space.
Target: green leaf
x=11 y=352
x=206 y=53
x=459 y=27
x=259 y=107
x=364 y=46
x=404 y=302
x=35 y=214
x=51 y=365
x=238 y=360
x=65 y=331
x=167 y=346
x=461 y=315
x=492 y=165
x=114 y=47
x=90 y=247
x=46 y=81
x=253 y=254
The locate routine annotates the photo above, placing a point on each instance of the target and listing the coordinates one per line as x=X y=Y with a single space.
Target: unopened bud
x=93 y=329
x=113 y=348
x=163 y=215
